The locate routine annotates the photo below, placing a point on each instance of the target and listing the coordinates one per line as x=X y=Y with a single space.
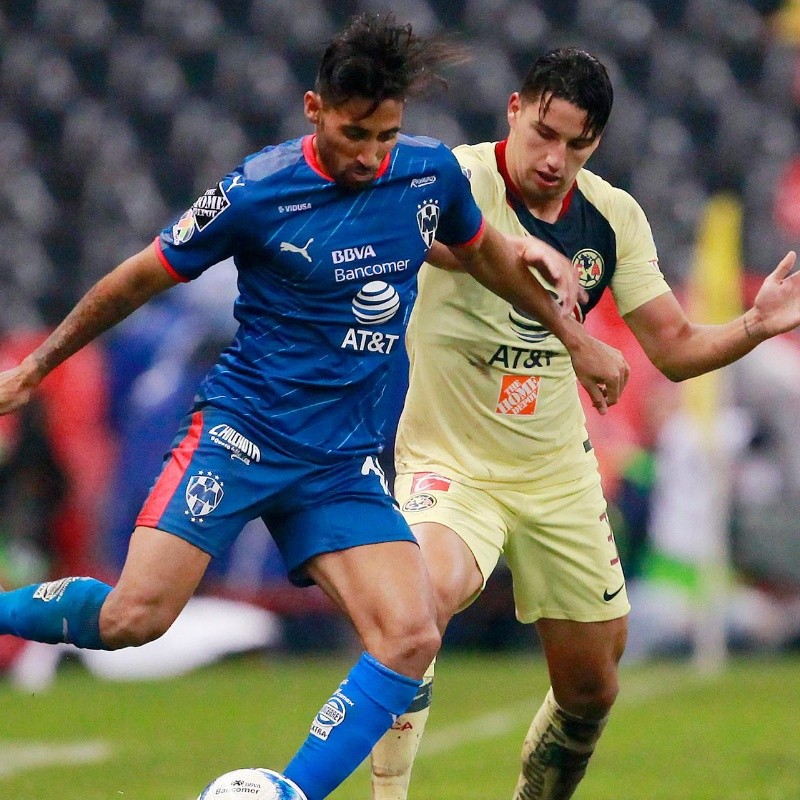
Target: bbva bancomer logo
x=377 y=302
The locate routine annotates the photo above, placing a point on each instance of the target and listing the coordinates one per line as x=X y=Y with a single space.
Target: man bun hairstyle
x=377 y=59
x=575 y=76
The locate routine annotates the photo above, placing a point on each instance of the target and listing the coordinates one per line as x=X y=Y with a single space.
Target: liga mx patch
x=429 y=482
x=203 y=212
x=183 y=229
x=518 y=395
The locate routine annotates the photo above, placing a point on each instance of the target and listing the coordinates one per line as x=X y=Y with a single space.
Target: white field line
x=17 y=757
x=634 y=691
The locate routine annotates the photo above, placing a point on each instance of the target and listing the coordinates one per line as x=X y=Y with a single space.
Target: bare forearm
x=681 y=349
x=108 y=302
x=496 y=264
x=706 y=348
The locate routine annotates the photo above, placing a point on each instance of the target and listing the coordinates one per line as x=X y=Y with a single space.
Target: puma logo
x=288 y=247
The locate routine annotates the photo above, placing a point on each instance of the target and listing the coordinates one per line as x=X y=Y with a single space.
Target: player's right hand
x=601 y=369
x=16 y=387
x=555 y=268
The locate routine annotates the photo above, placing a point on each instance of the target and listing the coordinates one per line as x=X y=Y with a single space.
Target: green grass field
x=674 y=735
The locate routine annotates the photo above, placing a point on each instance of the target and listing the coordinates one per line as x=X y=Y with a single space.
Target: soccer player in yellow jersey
x=492 y=452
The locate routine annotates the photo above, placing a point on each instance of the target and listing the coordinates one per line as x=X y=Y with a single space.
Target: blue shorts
x=220 y=474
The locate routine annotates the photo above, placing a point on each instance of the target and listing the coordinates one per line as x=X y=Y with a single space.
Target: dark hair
x=575 y=76
x=377 y=59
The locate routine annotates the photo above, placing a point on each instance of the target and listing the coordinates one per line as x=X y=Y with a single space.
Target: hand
x=776 y=308
x=16 y=387
x=601 y=369
x=556 y=268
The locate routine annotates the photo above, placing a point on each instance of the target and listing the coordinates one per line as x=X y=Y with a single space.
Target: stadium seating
x=116 y=114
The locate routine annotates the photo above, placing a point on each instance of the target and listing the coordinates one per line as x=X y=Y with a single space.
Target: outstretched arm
x=108 y=302
x=681 y=349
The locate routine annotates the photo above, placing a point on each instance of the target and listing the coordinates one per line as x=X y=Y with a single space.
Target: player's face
x=545 y=151
x=349 y=145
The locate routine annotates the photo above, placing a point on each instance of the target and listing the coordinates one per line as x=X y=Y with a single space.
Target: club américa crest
x=589 y=264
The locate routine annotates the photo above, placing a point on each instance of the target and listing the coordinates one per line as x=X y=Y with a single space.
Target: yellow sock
x=393 y=756
x=556 y=752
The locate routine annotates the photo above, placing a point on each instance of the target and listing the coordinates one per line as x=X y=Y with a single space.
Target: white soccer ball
x=252 y=784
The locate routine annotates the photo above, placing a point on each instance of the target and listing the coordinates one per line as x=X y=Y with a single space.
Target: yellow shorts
x=557 y=541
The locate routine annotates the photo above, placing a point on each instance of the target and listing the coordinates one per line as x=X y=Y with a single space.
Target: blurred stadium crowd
x=115 y=115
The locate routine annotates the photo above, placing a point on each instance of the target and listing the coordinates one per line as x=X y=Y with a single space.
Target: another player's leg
x=582 y=660
x=159 y=576
x=383 y=588
x=393 y=755
x=456 y=580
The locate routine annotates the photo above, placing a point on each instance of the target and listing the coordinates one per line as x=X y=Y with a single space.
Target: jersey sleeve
x=461 y=219
x=482 y=178
x=206 y=233
x=637 y=277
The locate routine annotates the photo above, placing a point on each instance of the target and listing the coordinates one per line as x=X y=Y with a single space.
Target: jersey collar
x=310 y=155
x=511 y=188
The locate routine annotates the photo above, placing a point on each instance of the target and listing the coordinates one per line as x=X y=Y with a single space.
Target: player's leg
x=161 y=570
x=569 y=581
x=582 y=660
x=457 y=579
x=159 y=576
x=161 y=573
x=384 y=590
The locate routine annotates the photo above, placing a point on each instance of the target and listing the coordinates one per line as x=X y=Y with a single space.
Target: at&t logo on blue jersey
x=377 y=302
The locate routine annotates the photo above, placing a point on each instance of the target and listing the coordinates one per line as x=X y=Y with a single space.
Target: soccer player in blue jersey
x=328 y=233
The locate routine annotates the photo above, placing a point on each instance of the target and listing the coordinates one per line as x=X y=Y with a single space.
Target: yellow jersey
x=492 y=395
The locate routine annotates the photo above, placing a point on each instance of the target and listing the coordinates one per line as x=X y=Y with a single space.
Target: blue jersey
x=326 y=278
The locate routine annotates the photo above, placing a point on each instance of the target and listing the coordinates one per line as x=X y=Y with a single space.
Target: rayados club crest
x=203 y=494
x=428 y=220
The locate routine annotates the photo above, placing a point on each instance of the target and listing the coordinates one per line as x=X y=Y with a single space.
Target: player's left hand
x=601 y=369
x=555 y=268
x=776 y=308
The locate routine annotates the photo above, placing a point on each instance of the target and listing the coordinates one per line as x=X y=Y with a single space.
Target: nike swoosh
x=611 y=595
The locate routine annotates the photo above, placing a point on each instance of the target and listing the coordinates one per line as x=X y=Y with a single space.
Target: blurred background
x=115 y=116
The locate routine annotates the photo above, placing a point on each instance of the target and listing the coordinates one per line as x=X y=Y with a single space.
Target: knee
x=131 y=624
x=410 y=648
x=590 y=697
x=420 y=643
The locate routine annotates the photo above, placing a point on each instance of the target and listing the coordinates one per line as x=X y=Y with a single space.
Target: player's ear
x=312 y=107
x=514 y=105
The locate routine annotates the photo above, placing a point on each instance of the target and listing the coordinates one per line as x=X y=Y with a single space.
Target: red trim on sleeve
x=475 y=238
x=171 y=476
x=176 y=276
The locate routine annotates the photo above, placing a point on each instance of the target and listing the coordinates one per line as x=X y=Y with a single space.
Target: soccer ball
x=252 y=784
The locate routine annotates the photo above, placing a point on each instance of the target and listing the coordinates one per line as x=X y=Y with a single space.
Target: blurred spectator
x=73 y=418
x=32 y=490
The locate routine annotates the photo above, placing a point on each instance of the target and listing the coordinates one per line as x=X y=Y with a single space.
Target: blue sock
x=66 y=610
x=342 y=734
